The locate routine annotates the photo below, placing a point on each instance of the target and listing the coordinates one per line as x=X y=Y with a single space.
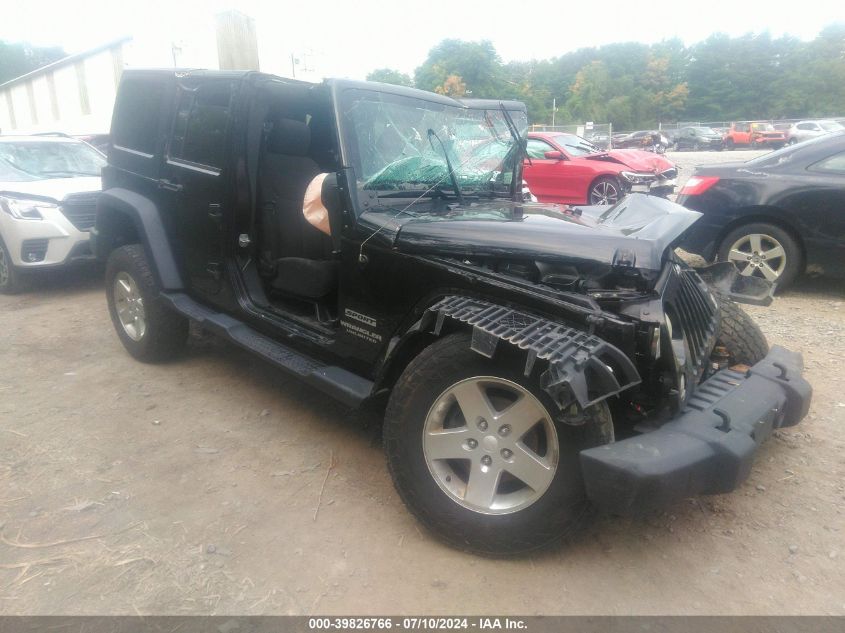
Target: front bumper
x=709 y=448
x=53 y=240
x=655 y=187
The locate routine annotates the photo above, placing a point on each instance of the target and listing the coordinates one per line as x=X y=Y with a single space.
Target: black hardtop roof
x=336 y=84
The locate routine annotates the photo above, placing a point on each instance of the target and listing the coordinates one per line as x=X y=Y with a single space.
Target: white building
x=75 y=95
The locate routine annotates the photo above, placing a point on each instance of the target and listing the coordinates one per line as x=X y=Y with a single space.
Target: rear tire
x=10 y=277
x=510 y=516
x=148 y=329
x=729 y=144
x=740 y=335
x=783 y=255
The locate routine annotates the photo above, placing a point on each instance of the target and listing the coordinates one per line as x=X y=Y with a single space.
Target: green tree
x=19 y=58
x=476 y=63
x=390 y=76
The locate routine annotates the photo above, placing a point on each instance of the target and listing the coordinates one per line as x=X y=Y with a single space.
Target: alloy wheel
x=129 y=305
x=758 y=254
x=604 y=192
x=490 y=445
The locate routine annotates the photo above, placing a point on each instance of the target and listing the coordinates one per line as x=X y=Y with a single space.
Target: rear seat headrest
x=289 y=137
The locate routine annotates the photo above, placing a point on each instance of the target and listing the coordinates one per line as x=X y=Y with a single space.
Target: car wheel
x=480 y=455
x=729 y=144
x=741 y=337
x=763 y=250
x=605 y=190
x=148 y=329
x=792 y=141
x=10 y=277
x=696 y=147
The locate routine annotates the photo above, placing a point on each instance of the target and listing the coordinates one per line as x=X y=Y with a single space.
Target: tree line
x=635 y=85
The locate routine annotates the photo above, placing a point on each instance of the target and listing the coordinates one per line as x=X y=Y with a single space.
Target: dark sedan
x=697 y=138
x=648 y=140
x=776 y=216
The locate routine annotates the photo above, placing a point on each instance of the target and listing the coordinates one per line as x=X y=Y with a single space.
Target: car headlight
x=24 y=209
x=637 y=178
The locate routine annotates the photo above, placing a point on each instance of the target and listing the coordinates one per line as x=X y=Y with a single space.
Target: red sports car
x=568 y=169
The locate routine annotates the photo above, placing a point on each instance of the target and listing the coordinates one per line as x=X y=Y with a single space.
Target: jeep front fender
x=115 y=208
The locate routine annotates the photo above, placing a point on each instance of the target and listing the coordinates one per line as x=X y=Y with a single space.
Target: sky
x=351 y=38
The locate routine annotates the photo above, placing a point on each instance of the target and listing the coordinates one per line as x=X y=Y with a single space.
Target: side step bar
x=350 y=389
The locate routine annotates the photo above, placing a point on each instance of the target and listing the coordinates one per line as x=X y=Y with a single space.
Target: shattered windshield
x=394 y=143
x=44 y=159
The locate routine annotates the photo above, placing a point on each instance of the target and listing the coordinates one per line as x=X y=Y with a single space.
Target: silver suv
x=48 y=196
x=803 y=130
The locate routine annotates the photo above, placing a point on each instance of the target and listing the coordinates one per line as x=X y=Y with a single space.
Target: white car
x=803 y=130
x=48 y=196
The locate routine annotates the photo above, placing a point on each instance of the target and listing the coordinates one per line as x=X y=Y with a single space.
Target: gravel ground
x=216 y=484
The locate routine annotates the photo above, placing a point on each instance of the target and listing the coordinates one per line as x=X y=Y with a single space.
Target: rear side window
x=199 y=130
x=136 y=115
x=834 y=164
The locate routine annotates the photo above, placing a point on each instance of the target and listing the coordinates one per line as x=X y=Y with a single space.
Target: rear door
x=195 y=179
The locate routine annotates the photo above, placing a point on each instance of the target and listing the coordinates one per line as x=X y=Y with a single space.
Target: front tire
x=10 y=277
x=478 y=455
x=740 y=335
x=605 y=191
x=148 y=329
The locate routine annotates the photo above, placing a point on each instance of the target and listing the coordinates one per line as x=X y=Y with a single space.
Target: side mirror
x=554 y=155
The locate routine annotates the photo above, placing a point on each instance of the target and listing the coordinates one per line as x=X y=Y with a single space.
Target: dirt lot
x=215 y=484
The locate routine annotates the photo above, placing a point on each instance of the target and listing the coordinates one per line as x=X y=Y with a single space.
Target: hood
x=54 y=189
x=635 y=232
x=635 y=159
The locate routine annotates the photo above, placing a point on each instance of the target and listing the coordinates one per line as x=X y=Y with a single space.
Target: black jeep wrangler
x=536 y=359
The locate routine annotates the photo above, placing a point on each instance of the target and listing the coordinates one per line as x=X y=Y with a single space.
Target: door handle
x=169 y=185
x=215 y=212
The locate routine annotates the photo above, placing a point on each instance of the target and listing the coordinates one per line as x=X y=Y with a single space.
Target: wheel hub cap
x=758 y=254
x=129 y=305
x=503 y=461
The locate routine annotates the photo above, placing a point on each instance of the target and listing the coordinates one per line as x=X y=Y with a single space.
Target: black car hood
x=635 y=232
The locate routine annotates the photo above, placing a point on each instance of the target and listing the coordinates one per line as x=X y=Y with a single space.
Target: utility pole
x=554 y=107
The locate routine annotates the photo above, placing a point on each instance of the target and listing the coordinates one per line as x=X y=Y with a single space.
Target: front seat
x=299 y=255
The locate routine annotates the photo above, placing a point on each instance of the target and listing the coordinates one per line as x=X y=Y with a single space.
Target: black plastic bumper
x=707 y=449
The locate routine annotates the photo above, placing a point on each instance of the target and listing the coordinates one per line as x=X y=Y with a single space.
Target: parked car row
x=749 y=135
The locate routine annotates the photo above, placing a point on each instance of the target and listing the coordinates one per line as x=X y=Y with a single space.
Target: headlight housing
x=637 y=178
x=25 y=209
